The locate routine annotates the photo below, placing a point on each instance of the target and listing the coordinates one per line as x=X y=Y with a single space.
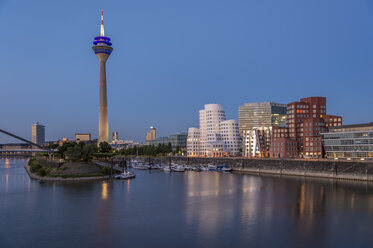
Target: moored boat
x=140 y=166
x=125 y=175
x=178 y=168
x=219 y=168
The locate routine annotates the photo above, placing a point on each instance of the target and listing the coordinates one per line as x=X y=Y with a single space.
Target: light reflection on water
x=183 y=210
x=104 y=190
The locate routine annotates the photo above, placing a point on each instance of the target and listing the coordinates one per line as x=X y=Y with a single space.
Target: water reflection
x=104 y=190
x=184 y=210
x=7 y=163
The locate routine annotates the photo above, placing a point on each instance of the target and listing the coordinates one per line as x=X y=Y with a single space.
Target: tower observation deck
x=102 y=47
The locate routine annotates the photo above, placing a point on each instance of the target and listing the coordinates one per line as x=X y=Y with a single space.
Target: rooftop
x=370 y=124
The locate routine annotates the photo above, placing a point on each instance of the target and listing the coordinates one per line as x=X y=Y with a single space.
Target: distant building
x=38 y=133
x=115 y=136
x=255 y=124
x=151 y=135
x=160 y=140
x=62 y=141
x=306 y=120
x=84 y=137
x=124 y=144
x=216 y=136
x=15 y=146
x=194 y=142
x=179 y=139
x=349 y=141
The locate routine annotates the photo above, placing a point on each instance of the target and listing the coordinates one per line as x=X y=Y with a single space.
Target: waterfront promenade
x=322 y=168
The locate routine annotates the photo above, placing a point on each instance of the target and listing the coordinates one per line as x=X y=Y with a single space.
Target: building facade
x=261 y=114
x=38 y=133
x=231 y=138
x=84 y=137
x=179 y=140
x=194 y=142
x=150 y=136
x=216 y=136
x=115 y=136
x=255 y=125
x=176 y=140
x=349 y=141
x=256 y=142
x=159 y=140
x=306 y=120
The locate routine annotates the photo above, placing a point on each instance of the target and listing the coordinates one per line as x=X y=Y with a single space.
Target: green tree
x=169 y=148
x=177 y=149
x=105 y=147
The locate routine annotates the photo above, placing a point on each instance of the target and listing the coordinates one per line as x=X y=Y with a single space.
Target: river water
x=206 y=209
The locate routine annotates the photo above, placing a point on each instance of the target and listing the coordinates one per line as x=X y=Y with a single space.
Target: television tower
x=102 y=48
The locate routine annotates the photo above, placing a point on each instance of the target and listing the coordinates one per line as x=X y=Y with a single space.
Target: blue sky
x=171 y=57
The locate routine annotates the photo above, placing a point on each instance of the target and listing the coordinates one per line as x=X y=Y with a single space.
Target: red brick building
x=283 y=148
x=306 y=119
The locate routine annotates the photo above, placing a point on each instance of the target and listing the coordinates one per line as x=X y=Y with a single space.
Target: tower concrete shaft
x=102 y=48
x=103 y=124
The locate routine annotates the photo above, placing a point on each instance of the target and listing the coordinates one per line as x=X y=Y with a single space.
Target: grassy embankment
x=67 y=170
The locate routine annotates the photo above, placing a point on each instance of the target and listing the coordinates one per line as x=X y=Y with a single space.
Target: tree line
x=81 y=151
x=151 y=150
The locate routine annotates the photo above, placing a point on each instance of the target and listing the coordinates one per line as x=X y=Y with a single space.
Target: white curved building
x=194 y=142
x=230 y=135
x=212 y=142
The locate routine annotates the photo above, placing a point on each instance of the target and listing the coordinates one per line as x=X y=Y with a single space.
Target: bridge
x=14 y=152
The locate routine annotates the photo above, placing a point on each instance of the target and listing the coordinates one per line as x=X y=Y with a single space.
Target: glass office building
x=261 y=114
x=349 y=141
x=179 y=139
x=253 y=117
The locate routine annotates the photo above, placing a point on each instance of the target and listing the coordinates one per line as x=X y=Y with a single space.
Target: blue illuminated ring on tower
x=101 y=50
x=102 y=39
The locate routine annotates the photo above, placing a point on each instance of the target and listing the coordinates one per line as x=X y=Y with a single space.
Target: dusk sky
x=171 y=57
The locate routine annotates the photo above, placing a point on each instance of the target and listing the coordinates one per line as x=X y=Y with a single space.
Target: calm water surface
x=189 y=209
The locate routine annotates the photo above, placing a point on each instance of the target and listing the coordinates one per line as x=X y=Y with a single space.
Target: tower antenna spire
x=102 y=24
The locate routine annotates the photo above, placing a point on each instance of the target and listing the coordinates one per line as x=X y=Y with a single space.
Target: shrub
x=41 y=172
x=34 y=165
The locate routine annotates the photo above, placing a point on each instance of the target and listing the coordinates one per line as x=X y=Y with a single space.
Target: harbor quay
x=333 y=169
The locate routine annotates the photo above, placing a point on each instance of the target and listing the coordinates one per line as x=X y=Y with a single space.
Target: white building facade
x=216 y=136
x=194 y=142
x=256 y=142
x=231 y=137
